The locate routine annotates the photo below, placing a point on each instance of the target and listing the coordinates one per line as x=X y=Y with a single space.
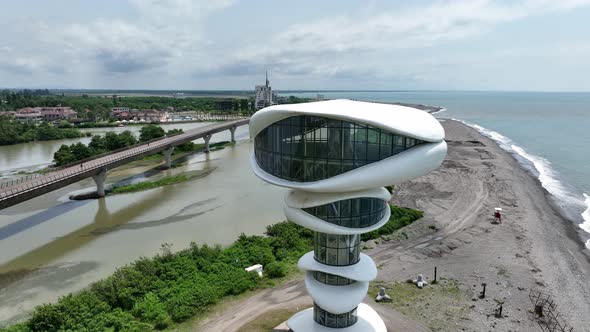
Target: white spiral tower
x=335 y=156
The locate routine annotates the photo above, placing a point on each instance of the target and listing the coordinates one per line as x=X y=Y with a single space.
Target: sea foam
x=541 y=167
x=439 y=111
x=586 y=215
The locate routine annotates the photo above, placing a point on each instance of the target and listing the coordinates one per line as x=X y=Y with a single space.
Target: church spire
x=267 y=78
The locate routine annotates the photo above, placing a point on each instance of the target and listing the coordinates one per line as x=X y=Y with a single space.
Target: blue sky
x=538 y=45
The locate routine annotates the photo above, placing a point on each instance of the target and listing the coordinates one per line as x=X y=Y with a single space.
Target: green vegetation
x=441 y=306
x=155 y=293
x=98 y=108
x=13 y=132
x=112 y=141
x=98 y=145
x=151 y=131
x=400 y=217
x=158 y=183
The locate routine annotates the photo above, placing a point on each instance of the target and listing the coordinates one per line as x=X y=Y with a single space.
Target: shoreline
x=530 y=251
x=536 y=251
x=577 y=232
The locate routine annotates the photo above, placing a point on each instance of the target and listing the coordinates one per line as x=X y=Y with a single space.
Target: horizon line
x=294 y=90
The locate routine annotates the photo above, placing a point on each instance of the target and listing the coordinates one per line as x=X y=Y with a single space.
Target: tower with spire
x=263 y=94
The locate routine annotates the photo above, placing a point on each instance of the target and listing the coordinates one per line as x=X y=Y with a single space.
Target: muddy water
x=50 y=246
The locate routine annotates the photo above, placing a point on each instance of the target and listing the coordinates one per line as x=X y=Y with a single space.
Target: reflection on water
x=81 y=242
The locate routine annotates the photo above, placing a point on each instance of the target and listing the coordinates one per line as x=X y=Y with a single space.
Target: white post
x=99 y=180
x=168 y=157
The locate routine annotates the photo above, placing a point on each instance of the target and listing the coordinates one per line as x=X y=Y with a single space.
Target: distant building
x=116 y=110
x=45 y=114
x=134 y=115
x=264 y=95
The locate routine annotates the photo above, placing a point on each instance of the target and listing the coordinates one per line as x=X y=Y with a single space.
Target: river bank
x=534 y=249
x=70 y=244
x=171 y=287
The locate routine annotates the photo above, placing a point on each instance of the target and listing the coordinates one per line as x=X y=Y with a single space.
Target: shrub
x=151 y=310
x=275 y=270
x=189 y=296
x=46 y=318
x=118 y=320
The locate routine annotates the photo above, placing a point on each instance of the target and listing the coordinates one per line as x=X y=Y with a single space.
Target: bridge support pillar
x=207 y=138
x=168 y=157
x=99 y=180
x=233 y=134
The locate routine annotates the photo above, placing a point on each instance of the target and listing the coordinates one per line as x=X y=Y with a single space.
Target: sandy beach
x=534 y=249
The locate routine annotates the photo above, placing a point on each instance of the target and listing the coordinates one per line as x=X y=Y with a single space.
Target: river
x=60 y=246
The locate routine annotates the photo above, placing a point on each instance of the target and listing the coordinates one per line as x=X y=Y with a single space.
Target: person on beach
x=498 y=217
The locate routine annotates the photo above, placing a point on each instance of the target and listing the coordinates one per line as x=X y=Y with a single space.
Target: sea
x=547 y=132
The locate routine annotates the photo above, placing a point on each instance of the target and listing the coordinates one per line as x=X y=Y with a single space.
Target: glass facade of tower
x=352 y=213
x=329 y=319
x=336 y=250
x=310 y=148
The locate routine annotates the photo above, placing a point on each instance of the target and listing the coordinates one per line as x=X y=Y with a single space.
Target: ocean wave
x=586 y=216
x=541 y=167
x=439 y=111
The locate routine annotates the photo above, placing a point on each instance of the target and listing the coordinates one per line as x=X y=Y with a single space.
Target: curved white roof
x=364 y=270
x=336 y=299
x=303 y=199
x=306 y=220
x=402 y=120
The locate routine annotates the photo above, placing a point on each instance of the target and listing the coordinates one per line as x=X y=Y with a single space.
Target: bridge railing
x=13 y=182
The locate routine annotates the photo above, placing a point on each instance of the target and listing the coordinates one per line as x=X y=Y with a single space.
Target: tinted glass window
x=336 y=250
x=329 y=319
x=353 y=213
x=318 y=148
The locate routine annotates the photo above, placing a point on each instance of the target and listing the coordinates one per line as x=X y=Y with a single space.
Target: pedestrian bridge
x=97 y=167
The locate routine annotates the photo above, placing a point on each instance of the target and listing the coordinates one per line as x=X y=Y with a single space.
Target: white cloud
x=344 y=38
x=161 y=43
x=163 y=30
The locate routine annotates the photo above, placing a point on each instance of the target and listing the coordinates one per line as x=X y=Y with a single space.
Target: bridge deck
x=20 y=192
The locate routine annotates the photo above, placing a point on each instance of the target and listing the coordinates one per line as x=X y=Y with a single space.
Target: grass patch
x=146 y=185
x=441 y=306
x=267 y=321
x=400 y=217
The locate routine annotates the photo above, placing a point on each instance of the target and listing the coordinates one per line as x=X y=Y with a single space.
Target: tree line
x=98 y=108
x=14 y=132
x=111 y=141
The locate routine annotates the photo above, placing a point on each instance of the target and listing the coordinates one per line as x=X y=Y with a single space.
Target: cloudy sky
x=541 y=45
